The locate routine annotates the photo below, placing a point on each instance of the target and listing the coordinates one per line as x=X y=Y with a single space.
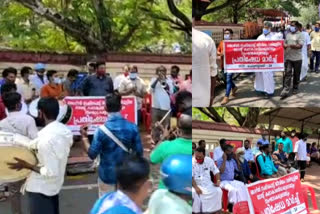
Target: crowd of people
x=230 y=169
x=123 y=173
x=300 y=44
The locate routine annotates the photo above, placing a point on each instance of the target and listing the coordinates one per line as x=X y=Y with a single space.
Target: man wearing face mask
x=133 y=85
x=54 y=88
x=39 y=79
x=301 y=154
x=205 y=194
x=117 y=81
x=231 y=87
x=293 y=58
x=287 y=143
x=305 y=49
x=294 y=139
x=228 y=167
x=315 y=48
x=264 y=81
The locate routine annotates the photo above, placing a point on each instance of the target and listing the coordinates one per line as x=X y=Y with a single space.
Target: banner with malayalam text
x=277 y=196
x=253 y=56
x=91 y=110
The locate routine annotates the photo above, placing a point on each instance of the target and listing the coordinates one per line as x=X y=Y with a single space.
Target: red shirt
x=2 y=110
x=294 y=140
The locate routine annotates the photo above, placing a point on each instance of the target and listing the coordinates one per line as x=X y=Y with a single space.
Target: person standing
x=175 y=78
x=9 y=75
x=315 y=48
x=53 y=146
x=231 y=87
x=263 y=139
x=264 y=81
x=68 y=84
x=287 y=143
x=204 y=56
x=294 y=139
x=54 y=88
x=218 y=151
x=305 y=49
x=187 y=84
x=26 y=87
x=103 y=144
x=39 y=79
x=125 y=73
x=98 y=84
x=301 y=155
x=133 y=85
x=293 y=56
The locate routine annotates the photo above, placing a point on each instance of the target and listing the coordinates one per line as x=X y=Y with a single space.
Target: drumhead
x=7 y=155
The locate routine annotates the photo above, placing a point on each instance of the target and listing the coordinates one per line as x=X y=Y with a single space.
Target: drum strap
x=114 y=138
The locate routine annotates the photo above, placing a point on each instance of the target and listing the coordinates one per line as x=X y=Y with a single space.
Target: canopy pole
x=302 y=126
x=269 y=128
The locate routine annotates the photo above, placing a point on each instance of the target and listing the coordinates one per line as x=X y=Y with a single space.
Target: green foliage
x=309 y=15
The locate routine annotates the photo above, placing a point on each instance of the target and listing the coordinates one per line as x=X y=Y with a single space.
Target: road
x=308 y=95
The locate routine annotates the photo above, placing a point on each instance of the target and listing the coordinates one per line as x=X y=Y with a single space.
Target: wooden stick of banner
x=165 y=116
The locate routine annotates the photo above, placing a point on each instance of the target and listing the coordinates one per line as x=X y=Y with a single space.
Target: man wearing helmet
x=176 y=174
x=206 y=195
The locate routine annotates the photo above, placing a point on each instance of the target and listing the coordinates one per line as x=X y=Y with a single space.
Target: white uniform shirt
x=117 y=81
x=53 y=146
x=217 y=153
x=204 y=66
x=201 y=172
x=301 y=149
x=160 y=98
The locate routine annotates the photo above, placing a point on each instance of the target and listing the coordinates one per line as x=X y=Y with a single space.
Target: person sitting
x=54 y=87
x=218 y=151
x=267 y=168
x=227 y=167
x=287 y=143
x=133 y=186
x=205 y=194
x=245 y=174
x=314 y=153
x=248 y=154
x=280 y=159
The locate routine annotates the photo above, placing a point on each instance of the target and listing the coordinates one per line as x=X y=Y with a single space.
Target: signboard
x=235 y=143
x=253 y=56
x=91 y=110
x=277 y=196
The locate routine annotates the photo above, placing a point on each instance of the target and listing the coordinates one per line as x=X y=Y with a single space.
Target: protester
x=301 y=154
x=293 y=56
x=132 y=176
x=98 y=84
x=53 y=146
x=25 y=86
x=227 y=167
x=204 y=64
x=202 y=144
x=175 y=78
x=39 y=79
x=263 y=139
x=161 y=90
x=111 y=152
x=177 y=176
x=68 y=86
x=124 y=75
x=133 y=85
x=230 y=86
x=206 y=195
x=180 y=145
x=245 y=174
x=267 y=168
x=264 y=81
x=257 y=150
x=281 y=160
x=218 y=151
x=315 y=48
x=248 y=154
x=92 y=68
x=287 y=143
x=54 y=88
x=187 y=84
x=294 y=139
x=5 y=88
x=315 y=152
x=9 y=76
x=183 y=103
x=305 y=49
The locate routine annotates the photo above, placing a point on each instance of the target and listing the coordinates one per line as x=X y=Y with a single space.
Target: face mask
x=229 y=156
x=265 y=31
x=101 y=72
x=133 y=76
x=316 y=29
x=292 y=135
x=126 y=73
x=40 y=74
x=292 y=29
x=56 y=80
x=227 y=36
x=200 y=161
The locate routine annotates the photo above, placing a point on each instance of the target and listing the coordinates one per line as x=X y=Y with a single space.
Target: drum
x=65 y=111
x=8 y=151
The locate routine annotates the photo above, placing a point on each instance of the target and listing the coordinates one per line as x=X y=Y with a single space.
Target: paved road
x=246 y=96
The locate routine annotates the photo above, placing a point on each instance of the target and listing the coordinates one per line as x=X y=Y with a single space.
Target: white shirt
x=301 y=149
x=117 y=81
x=160 y=98
x=201 y=172
x=248 y=154
x=217 y=153
x=53 y=146
x=270 y=36
x=20 y=123
x=307 y=41
x=204 y=66
x=37 y=82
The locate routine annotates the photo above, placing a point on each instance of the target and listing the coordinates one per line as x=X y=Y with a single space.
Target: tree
x=95 y=26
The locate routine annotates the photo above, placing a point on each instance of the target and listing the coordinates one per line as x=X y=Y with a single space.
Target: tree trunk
x=251 y=120
x=212 y=114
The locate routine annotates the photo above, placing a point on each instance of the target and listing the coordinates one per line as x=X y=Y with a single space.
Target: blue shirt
x=95 y=85
x=228 y=174
x=248 y=154
x=282 y=156
x=264 y=142
x=110 y=153
x=245 y=168
x=266 y=165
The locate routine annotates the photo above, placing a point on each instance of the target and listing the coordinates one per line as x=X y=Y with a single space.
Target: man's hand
x=20 y=164
x=217 y=184
x=198 y=190
x=224 y=156
x=84 y=130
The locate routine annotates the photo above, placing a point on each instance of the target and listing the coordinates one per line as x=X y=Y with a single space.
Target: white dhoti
x=264 y=82
x=304 y=66
x=237 y=191
x=209 y=201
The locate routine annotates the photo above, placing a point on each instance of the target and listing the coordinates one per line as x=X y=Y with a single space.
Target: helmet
x=176 y=172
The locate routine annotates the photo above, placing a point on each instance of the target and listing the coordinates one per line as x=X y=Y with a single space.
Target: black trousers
x=302 y=168
x=292 y=71
x=42 y=204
